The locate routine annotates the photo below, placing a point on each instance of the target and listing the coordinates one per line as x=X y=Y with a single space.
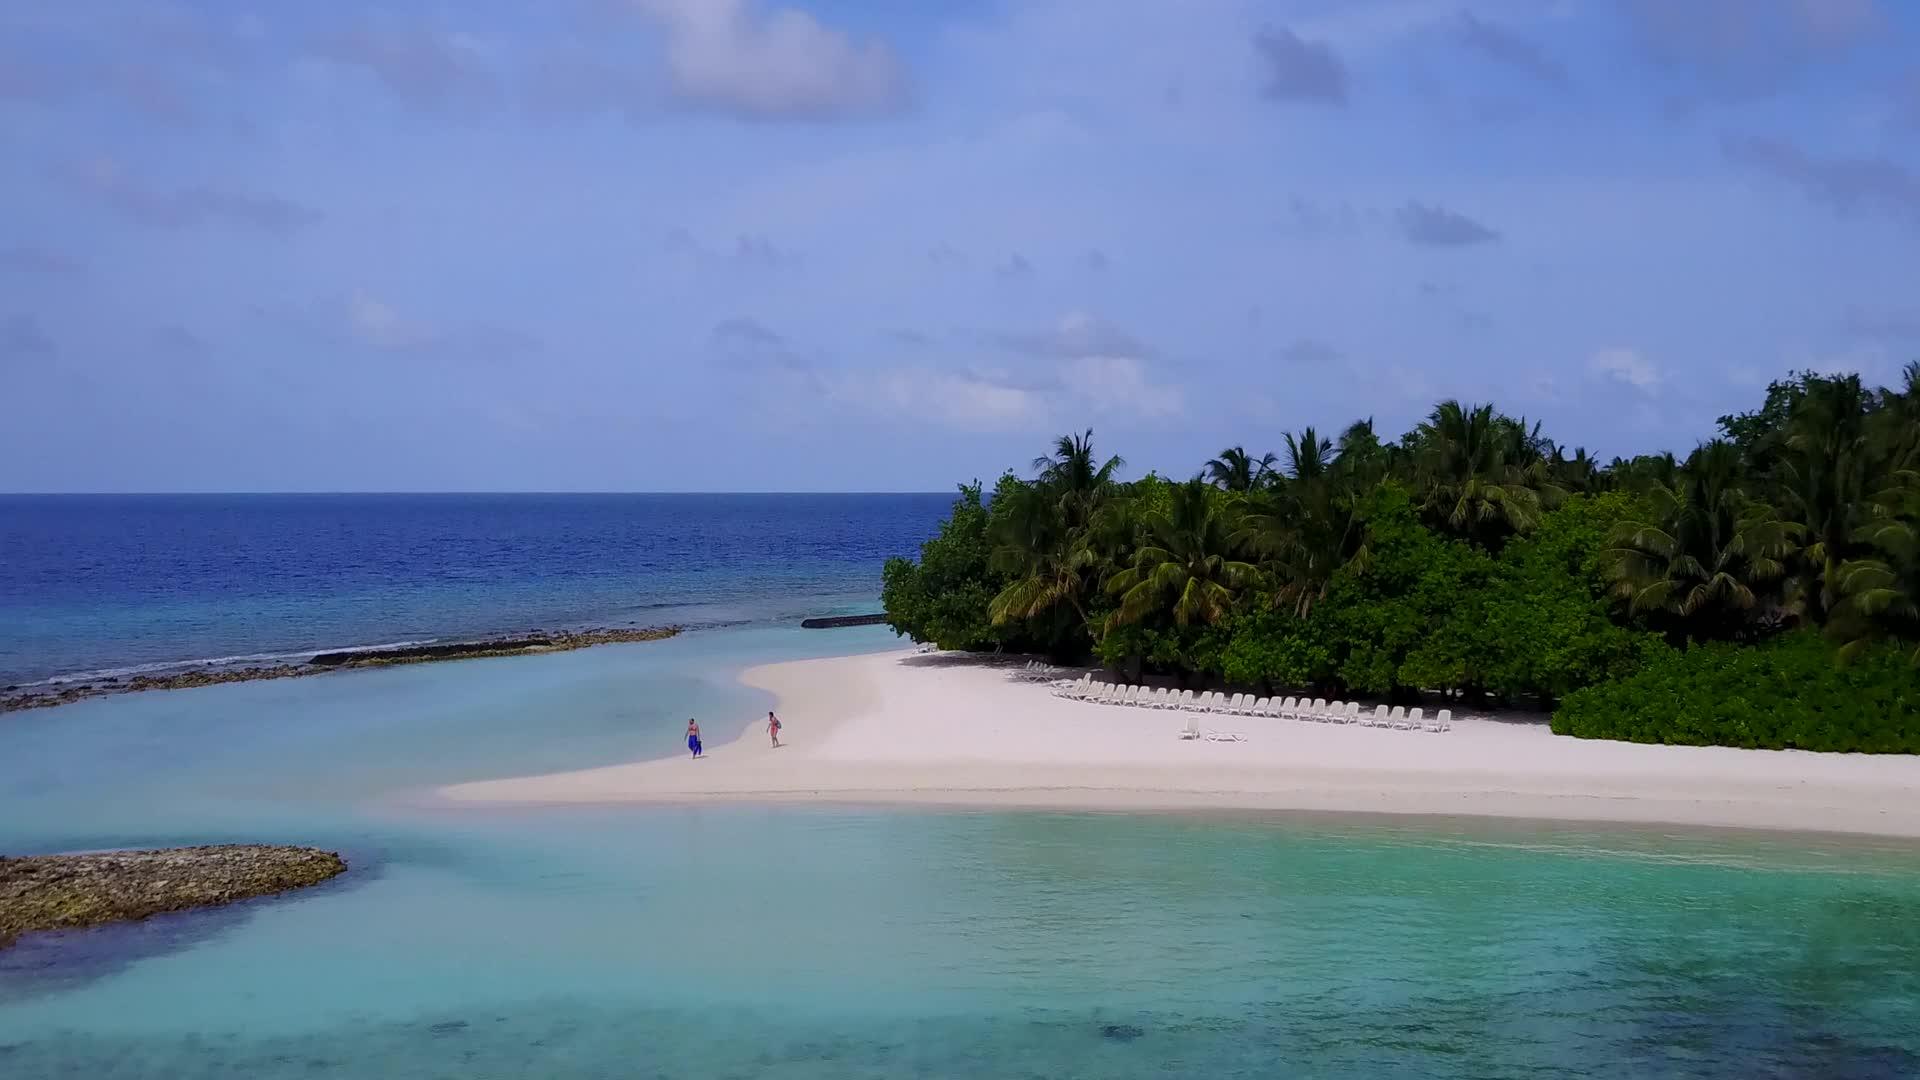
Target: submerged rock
x=67 y=892
x=1120 y=1032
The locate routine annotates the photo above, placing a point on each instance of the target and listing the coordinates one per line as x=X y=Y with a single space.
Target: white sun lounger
x=1443 y=721
x=1414 y=721
x=1191 y=730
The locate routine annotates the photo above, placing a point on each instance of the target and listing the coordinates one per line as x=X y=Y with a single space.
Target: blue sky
x=839 y=245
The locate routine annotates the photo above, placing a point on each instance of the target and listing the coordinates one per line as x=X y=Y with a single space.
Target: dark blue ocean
x=125 y=584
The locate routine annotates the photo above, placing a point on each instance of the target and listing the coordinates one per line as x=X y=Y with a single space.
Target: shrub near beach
x=1786 y=694
x=1476 y=558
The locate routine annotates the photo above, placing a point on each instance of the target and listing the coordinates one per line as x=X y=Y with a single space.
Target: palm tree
x=1897 y=423
x=1880 y=594
x=1041 y=533
x=1308 y=527
x=1186 y=566
x=1308 y=456
x=1362 y=460
x=1828 y=470
x=1704 y=554
x=1236 y=470
x=1481 y=473
x=1642 y=472
x=1033 y=543
x=1072 y=471
x=1579 y=473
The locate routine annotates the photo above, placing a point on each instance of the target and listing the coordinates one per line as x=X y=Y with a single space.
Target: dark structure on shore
x=829 y=622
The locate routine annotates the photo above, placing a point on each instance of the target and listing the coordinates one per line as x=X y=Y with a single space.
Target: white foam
x=217 y=661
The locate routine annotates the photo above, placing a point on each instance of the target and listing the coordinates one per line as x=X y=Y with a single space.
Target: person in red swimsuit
x=773 y=727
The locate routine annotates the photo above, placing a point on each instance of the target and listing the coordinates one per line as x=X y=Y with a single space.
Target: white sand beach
x=949 y=729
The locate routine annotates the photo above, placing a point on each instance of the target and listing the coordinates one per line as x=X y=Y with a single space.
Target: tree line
x=1477 y=558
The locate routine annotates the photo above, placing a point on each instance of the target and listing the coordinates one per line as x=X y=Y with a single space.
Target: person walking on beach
x=773 y=727
x=693 y=737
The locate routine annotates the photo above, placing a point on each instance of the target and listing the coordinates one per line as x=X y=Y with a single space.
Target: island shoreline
x=897 y=729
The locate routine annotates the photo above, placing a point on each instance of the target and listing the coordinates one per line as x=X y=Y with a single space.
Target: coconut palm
x=1879 y=595
x=1045 y=557
x=1308 y=456
x=1075 y=477
x=1308 y=528
x=1480 y=473
x=1579 y=473
x=1236 y=470
x=1828 y=469
x=1637 y=474
x=1702 y=558
x=1185 y=567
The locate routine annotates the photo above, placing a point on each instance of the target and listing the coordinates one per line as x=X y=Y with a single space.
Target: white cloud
x=1626 y=366
x=948 y=398
x=1120 y=386
x=375 y=323
x=724 y=54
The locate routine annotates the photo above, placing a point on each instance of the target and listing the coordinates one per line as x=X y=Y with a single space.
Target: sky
x=828 y=245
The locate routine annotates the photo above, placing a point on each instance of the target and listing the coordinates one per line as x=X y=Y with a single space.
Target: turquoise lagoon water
x=740 y=941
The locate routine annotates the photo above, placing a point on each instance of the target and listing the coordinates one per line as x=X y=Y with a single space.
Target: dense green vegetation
x=1476 y=558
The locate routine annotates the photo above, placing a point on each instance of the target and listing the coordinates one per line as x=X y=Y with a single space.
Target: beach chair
x=1396 y=717
x=1414 y=719
x=1288 y=708
x=1183 y=700
x=1101 y=692
x=1444 y=721
x=1379 y=717
x=1192 y=728
x=1273 y=709
x=1336 y=712
x=1225 y=736
x=1260 y=707
x=1237 y=704
x=1354 y=714
x=1317 y=710
x=1163 y=698
x=1216 y=702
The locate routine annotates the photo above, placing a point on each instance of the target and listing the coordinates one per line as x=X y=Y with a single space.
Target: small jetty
x=830 y=622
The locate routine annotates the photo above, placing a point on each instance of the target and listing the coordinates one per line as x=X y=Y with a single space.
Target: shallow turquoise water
x=833 y=942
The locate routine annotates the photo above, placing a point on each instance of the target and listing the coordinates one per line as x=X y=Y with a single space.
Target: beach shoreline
x=899 y=728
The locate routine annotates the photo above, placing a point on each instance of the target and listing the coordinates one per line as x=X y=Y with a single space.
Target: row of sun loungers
x=1039 y=671
x=1316 y=709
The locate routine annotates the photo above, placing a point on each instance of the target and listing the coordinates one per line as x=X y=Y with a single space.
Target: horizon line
x=446 y=491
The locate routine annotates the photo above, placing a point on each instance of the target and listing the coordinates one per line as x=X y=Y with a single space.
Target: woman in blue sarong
x=693 y=737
